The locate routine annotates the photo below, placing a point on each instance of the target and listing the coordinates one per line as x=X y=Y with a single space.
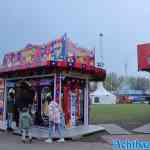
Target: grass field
x=127 y=115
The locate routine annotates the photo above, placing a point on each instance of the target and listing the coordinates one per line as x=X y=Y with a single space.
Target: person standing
x=54 y=121
x=26 y=125
x=10 y=110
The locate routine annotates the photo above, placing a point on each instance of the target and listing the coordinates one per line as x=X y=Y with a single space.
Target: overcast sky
x=124 y=23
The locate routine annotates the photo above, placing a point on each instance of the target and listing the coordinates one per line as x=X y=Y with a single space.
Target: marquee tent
x=102 y=96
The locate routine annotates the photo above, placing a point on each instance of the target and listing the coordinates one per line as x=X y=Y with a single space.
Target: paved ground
x=42 y=132
x=13 y=142
x=114 y=129
x=143 y=129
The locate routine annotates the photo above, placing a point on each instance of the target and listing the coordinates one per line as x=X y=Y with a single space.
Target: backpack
x=54 y=113
x=25 y=121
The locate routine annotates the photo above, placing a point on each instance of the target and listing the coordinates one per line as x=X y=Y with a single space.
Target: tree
x=114 y=82
x=142 y=83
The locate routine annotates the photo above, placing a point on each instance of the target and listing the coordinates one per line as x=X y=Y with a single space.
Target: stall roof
x=60 y=55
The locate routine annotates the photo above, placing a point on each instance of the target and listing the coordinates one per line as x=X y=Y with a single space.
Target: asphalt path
x=8 y=141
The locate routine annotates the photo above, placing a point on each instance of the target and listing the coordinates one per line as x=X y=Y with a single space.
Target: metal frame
x=86 y=96
x=35 y=76
x=55 y=76
x=75 y=75
x=60 y=102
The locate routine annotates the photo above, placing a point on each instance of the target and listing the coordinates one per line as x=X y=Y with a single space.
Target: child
x=26 y=124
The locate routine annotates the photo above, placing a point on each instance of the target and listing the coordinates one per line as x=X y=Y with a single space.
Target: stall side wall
x=3 y=104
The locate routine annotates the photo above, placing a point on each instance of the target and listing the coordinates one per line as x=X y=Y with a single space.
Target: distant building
x=102 y=96
x=131 y=96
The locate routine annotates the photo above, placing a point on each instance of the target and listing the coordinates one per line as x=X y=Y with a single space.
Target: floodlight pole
x=101 y=62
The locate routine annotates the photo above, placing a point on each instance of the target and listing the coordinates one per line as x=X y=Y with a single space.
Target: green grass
x=127 y=115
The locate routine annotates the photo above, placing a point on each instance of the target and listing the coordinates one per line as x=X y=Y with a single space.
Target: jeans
x=57 y=127
x=9 y=120
x=26 y=132
x=20 y=112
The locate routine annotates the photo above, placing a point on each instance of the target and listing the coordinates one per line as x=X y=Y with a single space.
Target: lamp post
x=101 y=62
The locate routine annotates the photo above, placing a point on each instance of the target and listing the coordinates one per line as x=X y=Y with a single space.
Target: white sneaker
x=61 y=140
x=48 y=141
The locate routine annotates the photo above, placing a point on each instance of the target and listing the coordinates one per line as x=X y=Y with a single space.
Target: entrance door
x=43 y=89
x=42 y=105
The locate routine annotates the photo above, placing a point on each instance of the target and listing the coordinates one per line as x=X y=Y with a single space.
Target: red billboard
x=143 y=57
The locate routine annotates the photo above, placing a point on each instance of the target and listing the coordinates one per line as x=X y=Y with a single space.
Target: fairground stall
x=59 y=69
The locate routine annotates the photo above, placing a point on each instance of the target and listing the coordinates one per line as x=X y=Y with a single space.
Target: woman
x=54 y=121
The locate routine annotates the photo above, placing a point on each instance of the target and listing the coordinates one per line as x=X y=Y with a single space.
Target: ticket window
x=44 y=101
x=42 y=88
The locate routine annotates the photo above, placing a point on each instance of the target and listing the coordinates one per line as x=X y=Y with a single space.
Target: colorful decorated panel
x=1 y=100
x=80 y=55
x=33 y=56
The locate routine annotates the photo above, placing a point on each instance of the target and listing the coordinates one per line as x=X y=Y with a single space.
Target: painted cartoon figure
x=44 y=56
x=37 y=54
x=9 y=60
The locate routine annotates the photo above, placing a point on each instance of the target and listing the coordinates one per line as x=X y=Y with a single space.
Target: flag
x=64 y=40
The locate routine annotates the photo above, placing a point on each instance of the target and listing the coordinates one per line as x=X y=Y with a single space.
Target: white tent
x=102 y=96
